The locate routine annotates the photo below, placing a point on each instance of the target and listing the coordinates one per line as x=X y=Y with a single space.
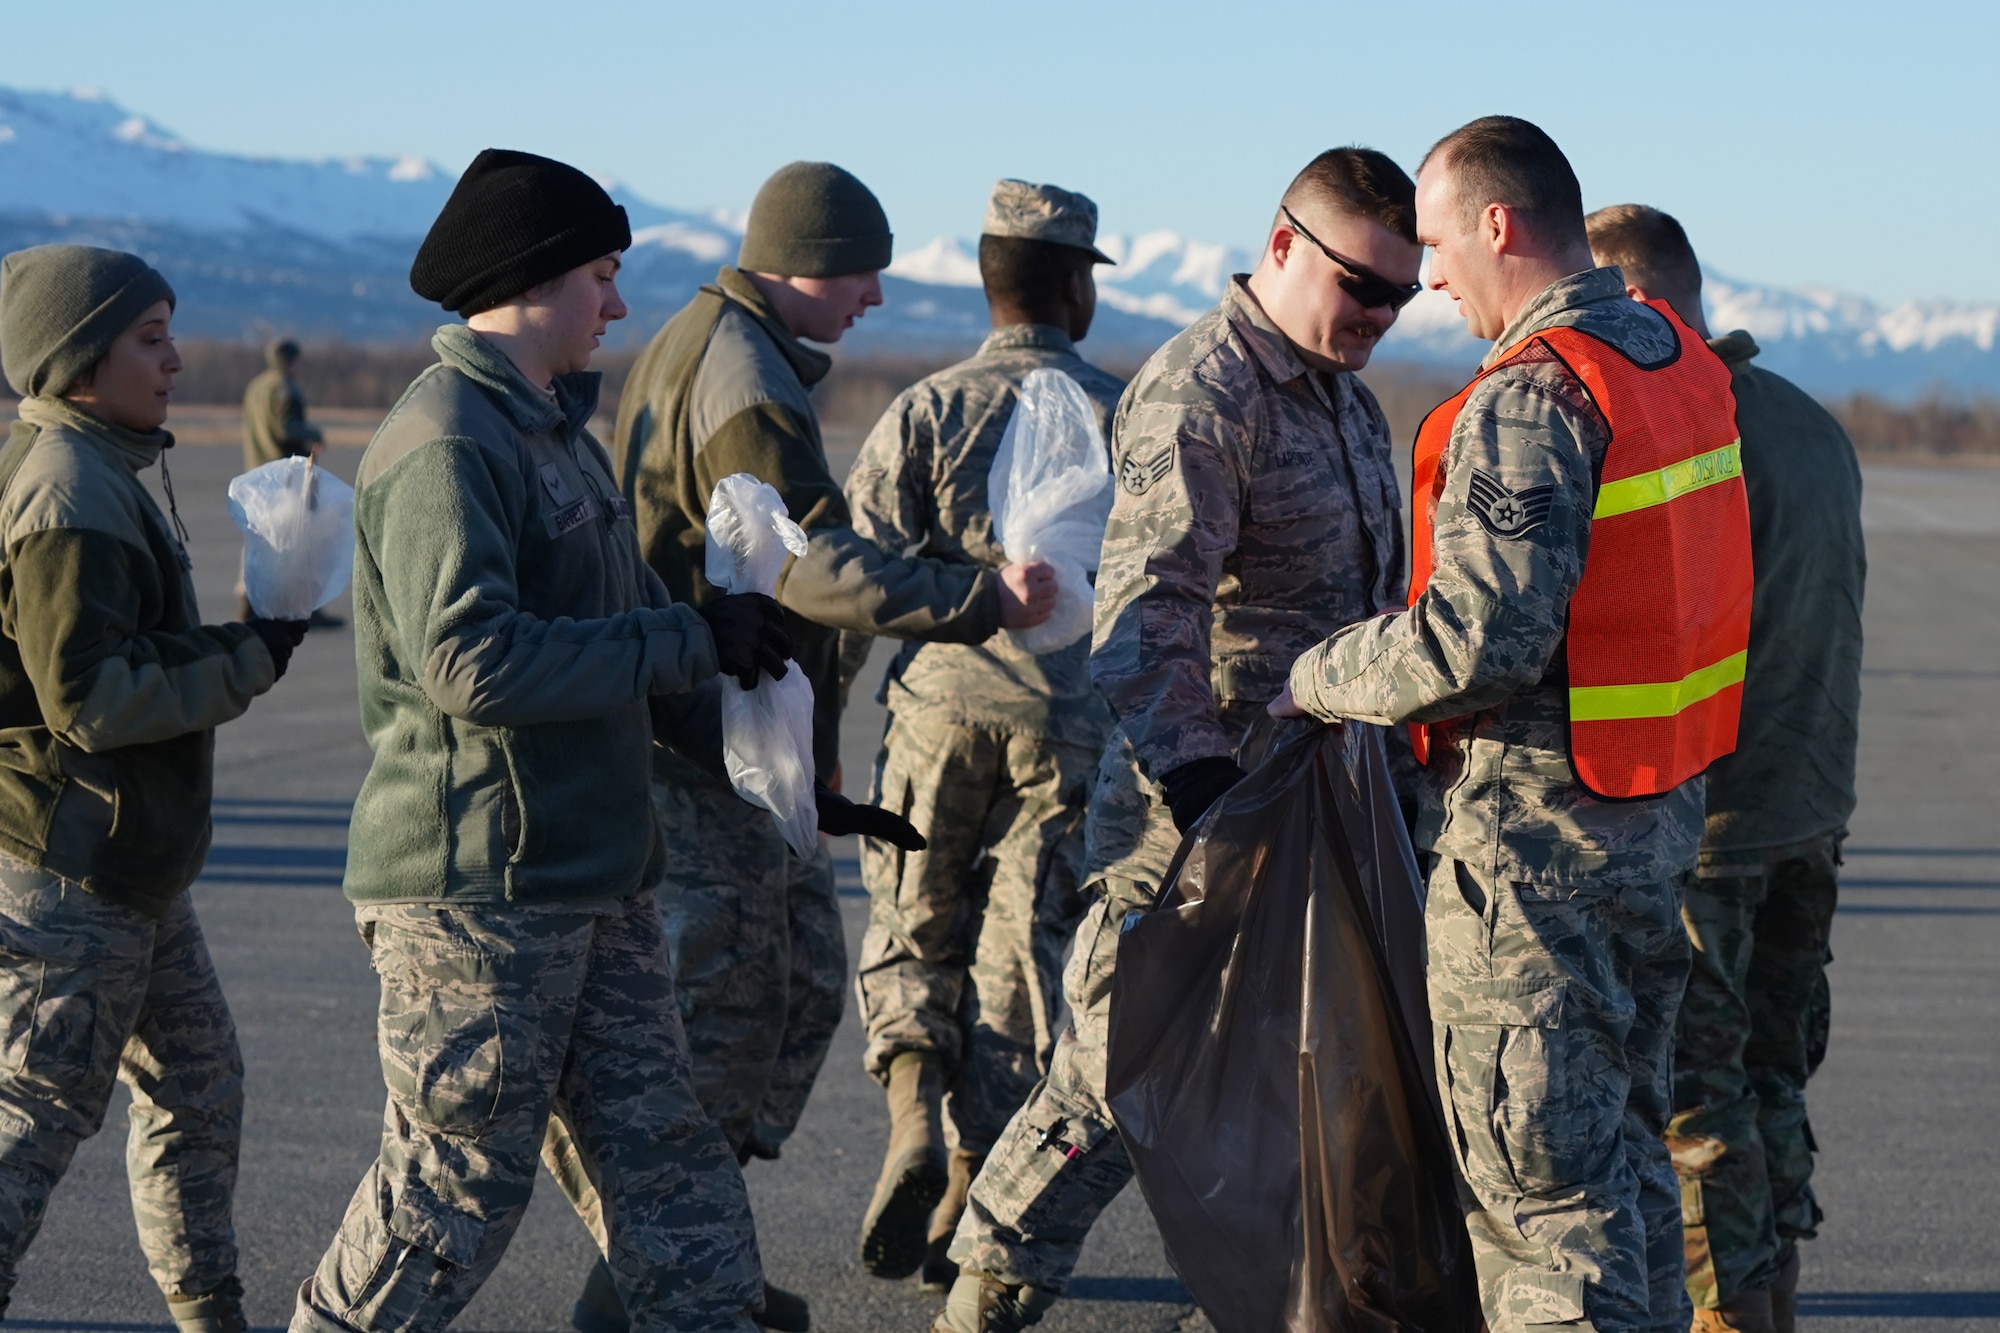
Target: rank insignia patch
x=1506 y=513
x=1138 y=475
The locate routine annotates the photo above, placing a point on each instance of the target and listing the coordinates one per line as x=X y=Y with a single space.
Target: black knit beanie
x=815 y=220
x=61 y=308
x=514 y=220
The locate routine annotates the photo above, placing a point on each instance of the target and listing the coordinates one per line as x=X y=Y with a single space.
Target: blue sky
x=1834 y=144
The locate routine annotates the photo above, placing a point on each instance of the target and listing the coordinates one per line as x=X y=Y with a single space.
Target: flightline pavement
x=1903 y=1108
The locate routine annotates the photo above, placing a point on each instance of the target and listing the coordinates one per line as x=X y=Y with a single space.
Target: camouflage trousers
x=1744 y=1047
x=759 y=960
x=510 y=1036
x=1553 y=1015
x=963 y=955
x=1059 y=1162
x=92 y=992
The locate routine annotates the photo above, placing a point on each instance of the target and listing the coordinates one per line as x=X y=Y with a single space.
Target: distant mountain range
x=322 y=249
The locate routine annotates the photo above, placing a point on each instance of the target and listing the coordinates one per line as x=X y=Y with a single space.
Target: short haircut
x=285 y=349
x=1507 y=160
x=1652 y=249
x=1029 y=275
x=1361 y=183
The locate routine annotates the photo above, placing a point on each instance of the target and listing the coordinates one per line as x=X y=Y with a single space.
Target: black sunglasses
x=1362 y=283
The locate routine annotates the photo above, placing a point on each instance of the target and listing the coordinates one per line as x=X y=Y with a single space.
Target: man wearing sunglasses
x=1256 y=512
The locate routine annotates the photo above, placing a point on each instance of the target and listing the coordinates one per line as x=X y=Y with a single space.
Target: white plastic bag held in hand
x=298 y=536
x=767 y=732
x=1050 y=489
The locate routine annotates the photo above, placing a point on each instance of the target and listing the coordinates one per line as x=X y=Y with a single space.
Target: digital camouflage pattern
x=759 y=959
x=502 y=1030
x=1256 y=512
x=1760 y=921
x=988 y=750
x=1547 y=952
x=1552 y=1011
x=1043 y=213
x=1474 y=652
x=91 y=992
x=964 y=949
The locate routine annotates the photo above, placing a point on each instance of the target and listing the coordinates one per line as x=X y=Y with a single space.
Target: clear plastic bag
x=1269 y=1064
x=767 y=732
x=1050 y=492
x=298 y=536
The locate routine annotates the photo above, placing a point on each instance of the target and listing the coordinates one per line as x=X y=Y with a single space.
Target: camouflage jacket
x=919 y=488
x=1480 y=650
x=1257 y=512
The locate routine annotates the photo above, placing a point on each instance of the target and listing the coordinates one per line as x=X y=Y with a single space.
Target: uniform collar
x=808 y=363
x=1047 y=337
x=1271 y=347
x=532 y=411
x=1556 y=300
x=139 y=449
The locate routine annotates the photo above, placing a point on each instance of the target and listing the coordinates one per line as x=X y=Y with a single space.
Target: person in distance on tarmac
x=1256 y=512
x=517 y=660
x=1759 y=910
x=989 y=749
x=112 y=687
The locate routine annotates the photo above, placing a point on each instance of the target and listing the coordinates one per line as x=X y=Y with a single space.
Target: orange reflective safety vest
x=1660 y=623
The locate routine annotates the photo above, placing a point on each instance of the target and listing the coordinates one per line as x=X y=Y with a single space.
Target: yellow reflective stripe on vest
x=1616 y=703
x=1669 y=483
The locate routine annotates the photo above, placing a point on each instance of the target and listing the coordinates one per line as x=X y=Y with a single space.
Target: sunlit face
x=1465 y=264
x=1321 y=318
x=571 y=316
x=133 y=384
x=823 y=309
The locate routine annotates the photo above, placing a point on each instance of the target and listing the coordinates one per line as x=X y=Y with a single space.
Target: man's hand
x=280 y=637
x=1027 y=594
x=1285 y=705
x=839 y=817
x=750 y=636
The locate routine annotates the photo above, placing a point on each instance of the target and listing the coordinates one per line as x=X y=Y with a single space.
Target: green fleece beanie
x=814 y=220
x=61 y=308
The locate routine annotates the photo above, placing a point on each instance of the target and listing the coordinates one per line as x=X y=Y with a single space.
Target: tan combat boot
x=217 y=1311
x=1745 y=1312
x=939 y=1271
x=982 y=1303
x=1785 y=1294
x=914 y=1174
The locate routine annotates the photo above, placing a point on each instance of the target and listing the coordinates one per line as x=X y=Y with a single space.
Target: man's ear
x=1636 y=292
x=1501 y=227
x=1283 y=238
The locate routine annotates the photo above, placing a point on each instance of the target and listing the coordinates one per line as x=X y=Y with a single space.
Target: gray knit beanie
x=814 y=220
x=61 y=308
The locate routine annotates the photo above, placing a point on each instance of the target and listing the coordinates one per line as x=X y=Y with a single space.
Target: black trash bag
x=1270 y=1059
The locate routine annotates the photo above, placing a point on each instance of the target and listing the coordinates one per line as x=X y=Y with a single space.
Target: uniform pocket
x=48 y=1038
x=1507 y=1069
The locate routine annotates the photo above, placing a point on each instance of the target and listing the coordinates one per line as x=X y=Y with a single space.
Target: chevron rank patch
x=1506 y=513
x=1138 y=475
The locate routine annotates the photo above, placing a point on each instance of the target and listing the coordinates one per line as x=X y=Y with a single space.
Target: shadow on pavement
x=1900 y=1304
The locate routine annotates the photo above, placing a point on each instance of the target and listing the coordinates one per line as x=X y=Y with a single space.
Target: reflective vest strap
x=1613 y=703
x=1670 y=482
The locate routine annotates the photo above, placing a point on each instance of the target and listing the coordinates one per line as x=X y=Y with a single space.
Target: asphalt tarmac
x=1904 y=1108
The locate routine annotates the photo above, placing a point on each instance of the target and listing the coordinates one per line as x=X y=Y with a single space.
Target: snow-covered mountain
x=322 y=248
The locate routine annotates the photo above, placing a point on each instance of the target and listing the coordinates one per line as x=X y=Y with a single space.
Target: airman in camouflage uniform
x=1557 y=957
x=1256 y=512
x=989 y=749
x=1760 y=907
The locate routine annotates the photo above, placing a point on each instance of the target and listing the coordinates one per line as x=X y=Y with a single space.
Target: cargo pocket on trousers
x=426 y=1245
x=47 y=1040
x=1509 y=1085
x=1048 y=1171
x=1530 y=1297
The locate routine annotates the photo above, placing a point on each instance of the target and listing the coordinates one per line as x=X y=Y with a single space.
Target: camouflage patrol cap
x=1044 y=213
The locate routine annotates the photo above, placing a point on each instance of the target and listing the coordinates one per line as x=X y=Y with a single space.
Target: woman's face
x=134 y=383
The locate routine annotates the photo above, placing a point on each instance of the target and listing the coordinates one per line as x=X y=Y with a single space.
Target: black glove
x=750 y=636
x=1193 y=787
x=839 y=817
x=280 y=636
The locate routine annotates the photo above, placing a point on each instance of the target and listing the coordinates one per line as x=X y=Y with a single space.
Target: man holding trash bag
x=1759 y=909
x=1574 y=646
x=514 y=651
x=112 y=689
x=1256 y=512
x=989 y=749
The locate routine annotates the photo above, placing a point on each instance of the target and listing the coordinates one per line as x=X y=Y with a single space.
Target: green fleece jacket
x=723 y=388
x=110 y=685
x=510 y=643
x=274 y=420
